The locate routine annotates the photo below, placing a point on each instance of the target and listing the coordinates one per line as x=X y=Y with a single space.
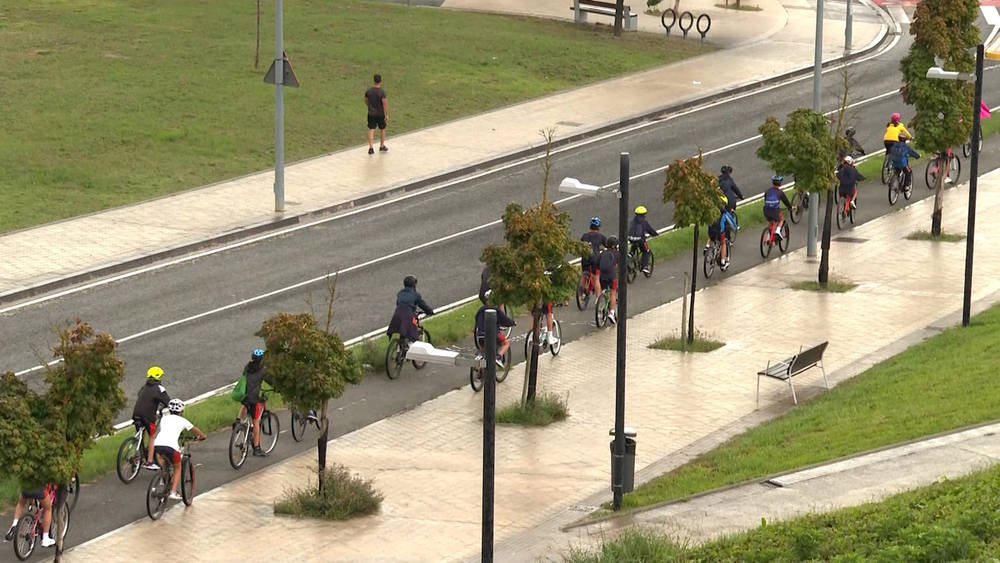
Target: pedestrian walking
x=378 y=113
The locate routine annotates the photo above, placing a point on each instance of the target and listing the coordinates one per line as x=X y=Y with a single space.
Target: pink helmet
x=894 y=118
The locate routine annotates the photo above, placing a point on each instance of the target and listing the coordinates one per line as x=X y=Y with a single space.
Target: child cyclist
x=480 y=331
x=167 y=447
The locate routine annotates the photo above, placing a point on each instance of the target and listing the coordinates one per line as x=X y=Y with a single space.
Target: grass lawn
x=108 y=103
x=702 y=343
x=919 y=392
x=943 y=237
x=957 y=520
x=542 y=411
x=832 y=286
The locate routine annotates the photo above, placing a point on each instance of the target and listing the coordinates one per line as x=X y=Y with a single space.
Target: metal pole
x=279 y=112
x=813 y=223
x=618 y=459
x=619 y=15
x=489 y=433
x=970 y=237
x=848 y=29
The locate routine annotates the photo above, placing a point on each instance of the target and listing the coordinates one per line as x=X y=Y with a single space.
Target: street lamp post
x=970 y=237
x=573 y=186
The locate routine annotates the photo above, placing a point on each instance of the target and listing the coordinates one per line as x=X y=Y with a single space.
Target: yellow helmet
x=154 y=373
x=640 y=210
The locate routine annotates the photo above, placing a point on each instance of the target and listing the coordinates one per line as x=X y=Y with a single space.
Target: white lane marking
x=404 y=197
x=898 y=13
x=416 y=248
x=992 y=18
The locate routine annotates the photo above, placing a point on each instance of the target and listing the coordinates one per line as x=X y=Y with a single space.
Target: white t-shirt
x=169 y=430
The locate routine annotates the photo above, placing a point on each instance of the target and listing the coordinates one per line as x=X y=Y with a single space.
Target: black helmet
x=850 y=132
x=903 y=136
x=409 y=281
x=727 y=169
x=612 y=241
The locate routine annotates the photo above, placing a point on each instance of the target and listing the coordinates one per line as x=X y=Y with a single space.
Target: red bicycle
x=586 y=288
x=845 y=211
x=29 y=527
x=769 y=237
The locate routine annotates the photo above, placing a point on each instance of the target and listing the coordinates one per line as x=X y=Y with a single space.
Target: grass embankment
x=914 y=394
x=957 y=520
x=189 y=108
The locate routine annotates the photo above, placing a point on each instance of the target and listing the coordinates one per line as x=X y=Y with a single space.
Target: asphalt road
x=208 y=352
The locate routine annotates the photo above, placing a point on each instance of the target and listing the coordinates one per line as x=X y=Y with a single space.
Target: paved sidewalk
x=427 y=461
x=775 y=41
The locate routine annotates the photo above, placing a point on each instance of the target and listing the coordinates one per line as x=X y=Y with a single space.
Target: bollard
x=690 y=24
x=663 y=19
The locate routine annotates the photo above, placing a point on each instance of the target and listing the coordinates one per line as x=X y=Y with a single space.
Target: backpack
x=240 y=391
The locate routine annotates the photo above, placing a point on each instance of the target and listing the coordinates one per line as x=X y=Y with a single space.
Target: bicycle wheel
x=187 y=481
x=709 y=261
x=507 y=361
x=652 y=262
x=476 y=379
x=393 y=358
x=850 y=214
x=886 y=169
x=583 y=292
x=841 y=217
x=783 y=241
x=908 y=190
x=156 y=495
x=25 y=537
x=424 y=337
x=129 y=460
x=601 y=310
x=967 y=148
x=930 y=173
x=894 y=189
x=270 y=427
x=633 y=265
x=765 y=242
x=954 y=169
x=795 y=215
x=557 y=332
x=238 y=445
x=63 y=515
x=298 y=426
x=73 y=491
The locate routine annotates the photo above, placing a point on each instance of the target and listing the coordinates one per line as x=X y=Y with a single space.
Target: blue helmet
x=777 y=178
x=595 y=222
x=258 y=354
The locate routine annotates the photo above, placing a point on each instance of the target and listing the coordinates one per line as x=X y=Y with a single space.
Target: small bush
x=344 y=496
x=832 y=286
x=632 y=545
x=703 y=342
x=542 y=411
x=926 y=235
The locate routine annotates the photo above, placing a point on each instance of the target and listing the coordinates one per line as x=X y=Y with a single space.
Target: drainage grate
x=569 y=123
x=769 y=484
x=851 y=239
x=583 y=508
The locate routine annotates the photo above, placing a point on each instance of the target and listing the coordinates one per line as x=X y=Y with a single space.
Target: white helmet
x=848 y=159
x=175 y=406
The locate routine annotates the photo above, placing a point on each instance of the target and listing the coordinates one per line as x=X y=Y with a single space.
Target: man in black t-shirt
x=378 y=113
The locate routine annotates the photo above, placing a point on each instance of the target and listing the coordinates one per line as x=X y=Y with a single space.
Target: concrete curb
x=267 y=226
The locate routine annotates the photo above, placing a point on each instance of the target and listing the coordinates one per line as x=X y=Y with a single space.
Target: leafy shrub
x=344 y=496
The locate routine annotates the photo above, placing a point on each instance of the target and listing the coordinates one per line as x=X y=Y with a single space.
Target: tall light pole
x=813 y=223
x=279 y=110
x=970 y=237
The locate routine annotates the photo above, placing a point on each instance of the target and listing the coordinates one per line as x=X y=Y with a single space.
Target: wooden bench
x=788 y=368
x=583 y=7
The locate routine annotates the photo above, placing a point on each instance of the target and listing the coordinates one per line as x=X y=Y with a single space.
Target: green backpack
x=240 y=391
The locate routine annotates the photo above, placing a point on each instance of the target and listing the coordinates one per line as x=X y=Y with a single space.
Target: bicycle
x=395 y=352
x=603 y=308
x=800 y=202
x=896 y=182
x=132 y=452
x=886 y=168
x=931 y=172
x=29 y=528
x=543 y=338
x=768 y=238
x=713 y=256
x=506 y=330
x=300 y=421
x=158 y=492
x=586 y=288
x=477 y=373
x=73 y=491
x=635 y=261
x=845 y=212
x=241 y=440
x=967 y=147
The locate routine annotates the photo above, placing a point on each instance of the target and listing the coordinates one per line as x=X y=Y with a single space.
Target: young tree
x=695 y=194
x=309 y=365
x=806 y=148
x=537 y=241
x=946 y=30
x=43 y=436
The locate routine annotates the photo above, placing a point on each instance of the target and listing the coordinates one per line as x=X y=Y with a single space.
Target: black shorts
x=33 y=494
x=846 y=191
x=168 y=453
x=589 y=264
x=772 y=214
x=376 y=121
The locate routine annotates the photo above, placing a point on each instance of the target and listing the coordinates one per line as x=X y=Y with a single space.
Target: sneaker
x=151 y=466
x=371 y=150
x=48 y=542
x=499 y=360
x=258 y=452
x=175 y=496
x=552 y=339
x=854 y=204
x=611 y=317
x=383 y=148
x=725 y=264
x=645 y=271
x=10 y=534
x=947 y=180
x=777 y=234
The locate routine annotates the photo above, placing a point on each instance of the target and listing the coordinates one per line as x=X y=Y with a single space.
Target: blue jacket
x=409 y=296
x=900 y=154
x=848 y=176
x=639 y=228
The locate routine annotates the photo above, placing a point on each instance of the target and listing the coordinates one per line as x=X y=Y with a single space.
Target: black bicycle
x=635 y=261
x=395 y=352
x=301 y=421
x=241 y=440
x=158 y=492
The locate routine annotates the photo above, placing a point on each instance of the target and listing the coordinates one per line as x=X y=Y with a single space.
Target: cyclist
x=597 y=241
x=892 y=131
x=638 y=229
x=480 y=331
x=854 y=148
x=151 y=398
x=900 y=154
x=253 y=403
x=608 y=264
x=729 y=188
x=166 y=445
x=848 y=176
x=44 y=495
x=722 y=227
x=404 y=319
x=484 y=284
x=773 y=198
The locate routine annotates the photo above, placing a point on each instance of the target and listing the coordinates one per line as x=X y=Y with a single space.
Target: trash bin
x=628 y=478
